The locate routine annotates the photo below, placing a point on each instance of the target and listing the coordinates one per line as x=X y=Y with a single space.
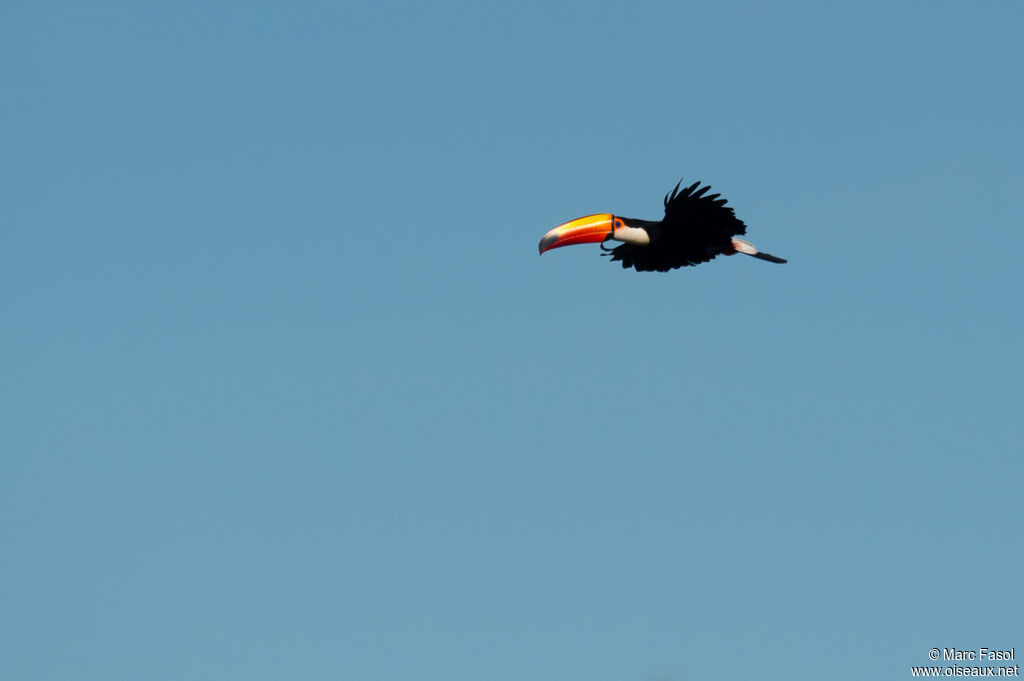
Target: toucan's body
x=695 y=229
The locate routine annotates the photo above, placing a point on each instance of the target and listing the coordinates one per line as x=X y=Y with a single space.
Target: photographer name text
x=978 y=654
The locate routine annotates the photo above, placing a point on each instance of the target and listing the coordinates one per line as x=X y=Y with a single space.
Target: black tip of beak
x=546 y=243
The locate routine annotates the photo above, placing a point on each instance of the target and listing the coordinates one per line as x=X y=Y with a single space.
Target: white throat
x=631 y=235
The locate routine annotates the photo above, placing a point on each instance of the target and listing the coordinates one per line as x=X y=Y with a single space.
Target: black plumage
x=696 y=228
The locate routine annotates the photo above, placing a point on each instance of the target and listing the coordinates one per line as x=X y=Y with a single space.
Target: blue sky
x=288 y=393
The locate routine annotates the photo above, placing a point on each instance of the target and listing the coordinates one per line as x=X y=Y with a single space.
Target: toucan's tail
x=769 y=257
x=741 y=246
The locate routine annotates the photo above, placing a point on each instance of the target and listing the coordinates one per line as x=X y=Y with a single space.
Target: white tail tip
x=742 y=246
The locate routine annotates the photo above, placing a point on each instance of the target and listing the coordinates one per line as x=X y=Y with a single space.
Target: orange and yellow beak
x=585 y=230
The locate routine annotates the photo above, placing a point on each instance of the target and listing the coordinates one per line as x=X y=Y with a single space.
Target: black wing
x=695 y=229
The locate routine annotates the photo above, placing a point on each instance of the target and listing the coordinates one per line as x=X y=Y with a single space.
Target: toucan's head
x=593 y=229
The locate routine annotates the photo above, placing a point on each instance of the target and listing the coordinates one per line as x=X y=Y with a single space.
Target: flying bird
x=696 y=228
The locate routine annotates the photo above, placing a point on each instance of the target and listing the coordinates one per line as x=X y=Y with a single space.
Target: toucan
x=696 y=228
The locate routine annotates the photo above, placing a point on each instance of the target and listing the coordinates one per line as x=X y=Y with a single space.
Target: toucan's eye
x=618 y=224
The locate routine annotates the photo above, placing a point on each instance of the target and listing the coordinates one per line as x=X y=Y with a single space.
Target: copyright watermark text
x=982 y=657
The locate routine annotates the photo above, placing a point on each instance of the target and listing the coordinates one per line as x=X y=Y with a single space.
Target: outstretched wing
x=695 y=229
x=702 y=217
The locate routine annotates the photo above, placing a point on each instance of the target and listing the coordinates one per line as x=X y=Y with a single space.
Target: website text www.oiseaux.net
x=957 y=670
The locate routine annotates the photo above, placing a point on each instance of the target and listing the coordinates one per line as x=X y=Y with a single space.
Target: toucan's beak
x=589 y=229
